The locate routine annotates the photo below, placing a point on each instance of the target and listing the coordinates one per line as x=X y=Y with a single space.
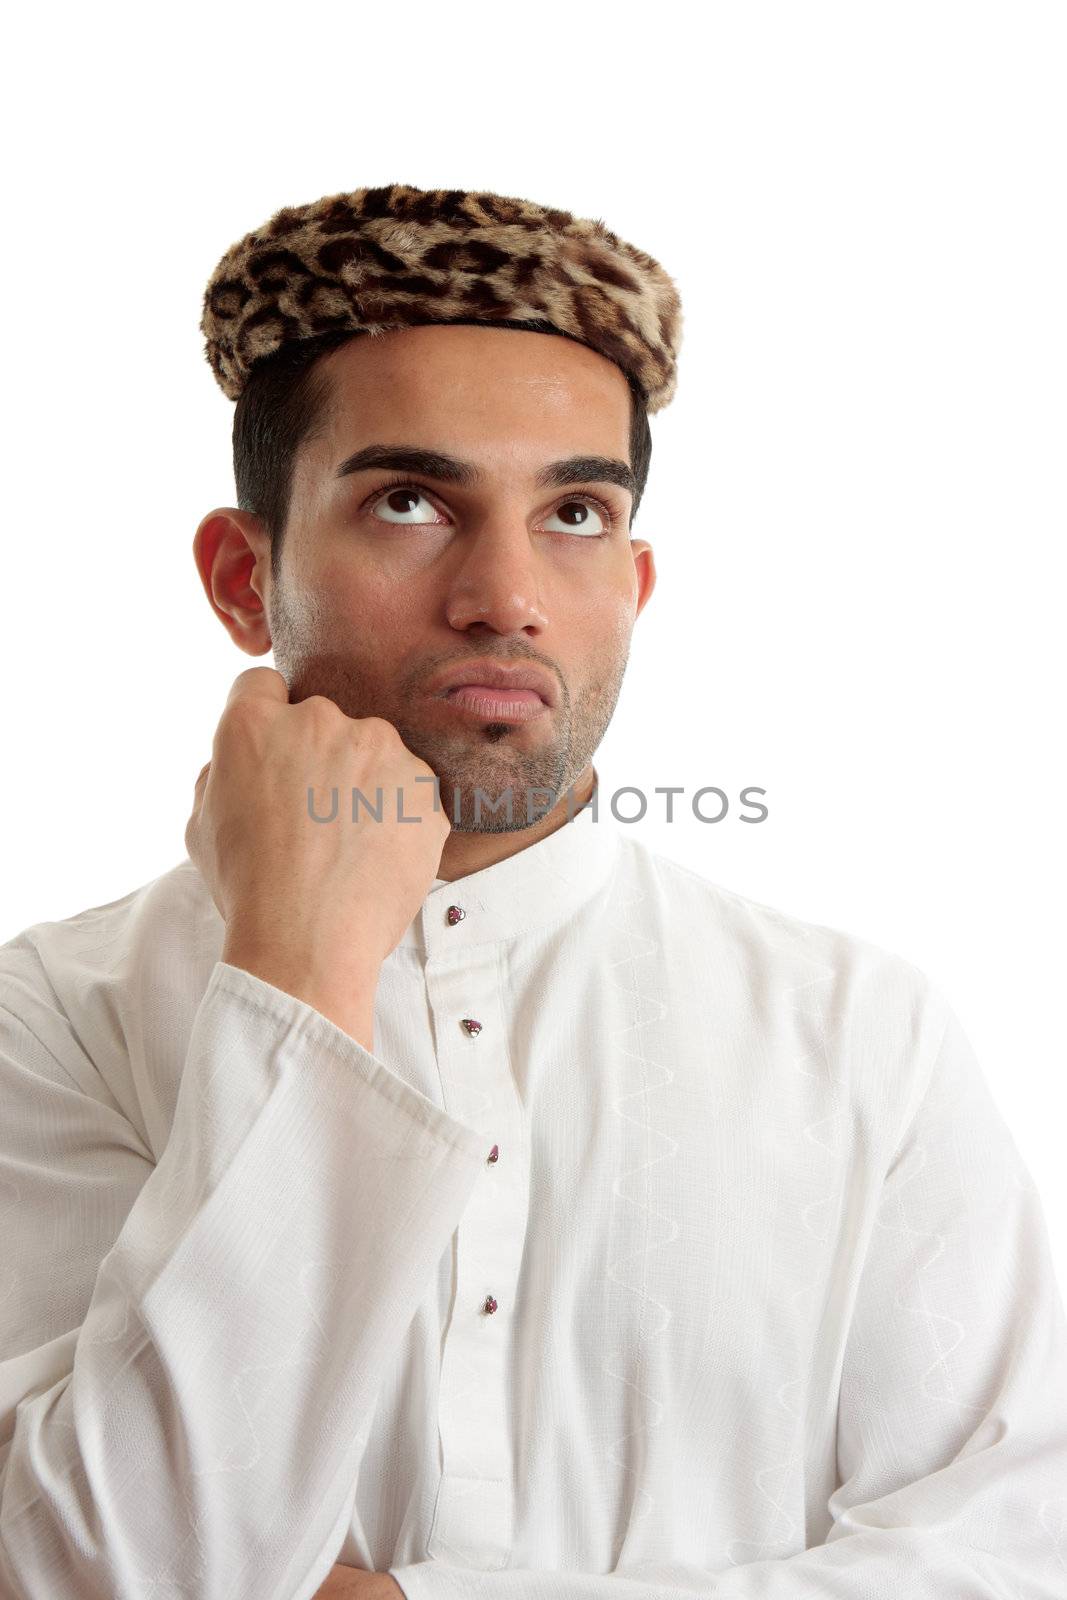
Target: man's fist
x=339 y=891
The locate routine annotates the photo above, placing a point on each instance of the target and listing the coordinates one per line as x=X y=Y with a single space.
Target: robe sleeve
x=952 y=1416
x=186 y=1415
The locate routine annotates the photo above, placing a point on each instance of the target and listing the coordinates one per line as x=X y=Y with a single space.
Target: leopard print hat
x=386 y=258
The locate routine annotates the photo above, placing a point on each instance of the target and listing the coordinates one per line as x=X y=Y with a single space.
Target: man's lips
x=486 y=700
x=497 y=677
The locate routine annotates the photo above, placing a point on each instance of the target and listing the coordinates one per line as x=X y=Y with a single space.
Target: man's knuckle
x=320 y=709
x=380 y=730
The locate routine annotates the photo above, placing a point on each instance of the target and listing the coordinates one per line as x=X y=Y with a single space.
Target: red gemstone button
x=494 y=1153
x=455 y=914
x=490 y=1303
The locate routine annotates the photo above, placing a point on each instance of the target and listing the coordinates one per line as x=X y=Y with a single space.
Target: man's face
x=382 y=589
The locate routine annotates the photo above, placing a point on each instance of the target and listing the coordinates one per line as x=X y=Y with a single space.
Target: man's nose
x=500 y=581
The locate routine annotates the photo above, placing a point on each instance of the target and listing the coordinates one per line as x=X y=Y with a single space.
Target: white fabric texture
x=776 y=1314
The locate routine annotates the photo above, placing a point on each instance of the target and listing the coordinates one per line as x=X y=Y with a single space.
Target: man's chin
x=484 y=807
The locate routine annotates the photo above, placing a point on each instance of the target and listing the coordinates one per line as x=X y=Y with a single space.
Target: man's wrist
x=346 y=997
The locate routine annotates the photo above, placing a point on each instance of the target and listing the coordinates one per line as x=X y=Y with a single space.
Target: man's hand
x=352 y=1583
x=314 y=907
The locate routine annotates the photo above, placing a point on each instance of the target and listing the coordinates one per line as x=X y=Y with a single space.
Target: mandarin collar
x=531 y=889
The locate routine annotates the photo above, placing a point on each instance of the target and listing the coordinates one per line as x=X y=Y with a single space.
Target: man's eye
x=394 y=498
x=573 y=513
x=582 y=507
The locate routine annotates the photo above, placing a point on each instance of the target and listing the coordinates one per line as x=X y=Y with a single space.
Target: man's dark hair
x=285 y=403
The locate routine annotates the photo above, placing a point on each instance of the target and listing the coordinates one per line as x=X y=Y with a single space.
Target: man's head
x=368 y=592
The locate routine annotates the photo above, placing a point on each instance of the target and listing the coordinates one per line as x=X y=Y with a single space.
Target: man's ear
x=232 y=553
x=645 y=567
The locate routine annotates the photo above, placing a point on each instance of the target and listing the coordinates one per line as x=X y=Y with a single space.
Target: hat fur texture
x=378 y=259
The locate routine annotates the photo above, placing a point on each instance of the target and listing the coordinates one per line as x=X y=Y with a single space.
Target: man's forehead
x=463 y=421
x=481 y=358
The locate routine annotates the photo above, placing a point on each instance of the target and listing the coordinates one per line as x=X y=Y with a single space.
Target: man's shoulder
x=772 y=944
x=85 y=972
x=96 y=931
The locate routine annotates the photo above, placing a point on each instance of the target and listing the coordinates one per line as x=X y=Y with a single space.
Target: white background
x=856 y=499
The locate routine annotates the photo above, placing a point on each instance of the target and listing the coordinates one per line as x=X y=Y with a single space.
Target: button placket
x=479 y=1089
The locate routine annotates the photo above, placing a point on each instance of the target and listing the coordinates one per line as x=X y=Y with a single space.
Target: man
x=406 y=1195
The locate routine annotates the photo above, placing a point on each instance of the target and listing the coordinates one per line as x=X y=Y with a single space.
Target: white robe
x=775 y=1311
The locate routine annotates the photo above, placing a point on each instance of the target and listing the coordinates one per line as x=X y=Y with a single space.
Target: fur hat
x=386 y=258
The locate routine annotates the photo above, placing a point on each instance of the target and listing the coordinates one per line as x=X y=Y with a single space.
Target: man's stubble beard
x=478 y=762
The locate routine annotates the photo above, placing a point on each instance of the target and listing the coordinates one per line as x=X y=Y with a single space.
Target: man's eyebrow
x=432 y=464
